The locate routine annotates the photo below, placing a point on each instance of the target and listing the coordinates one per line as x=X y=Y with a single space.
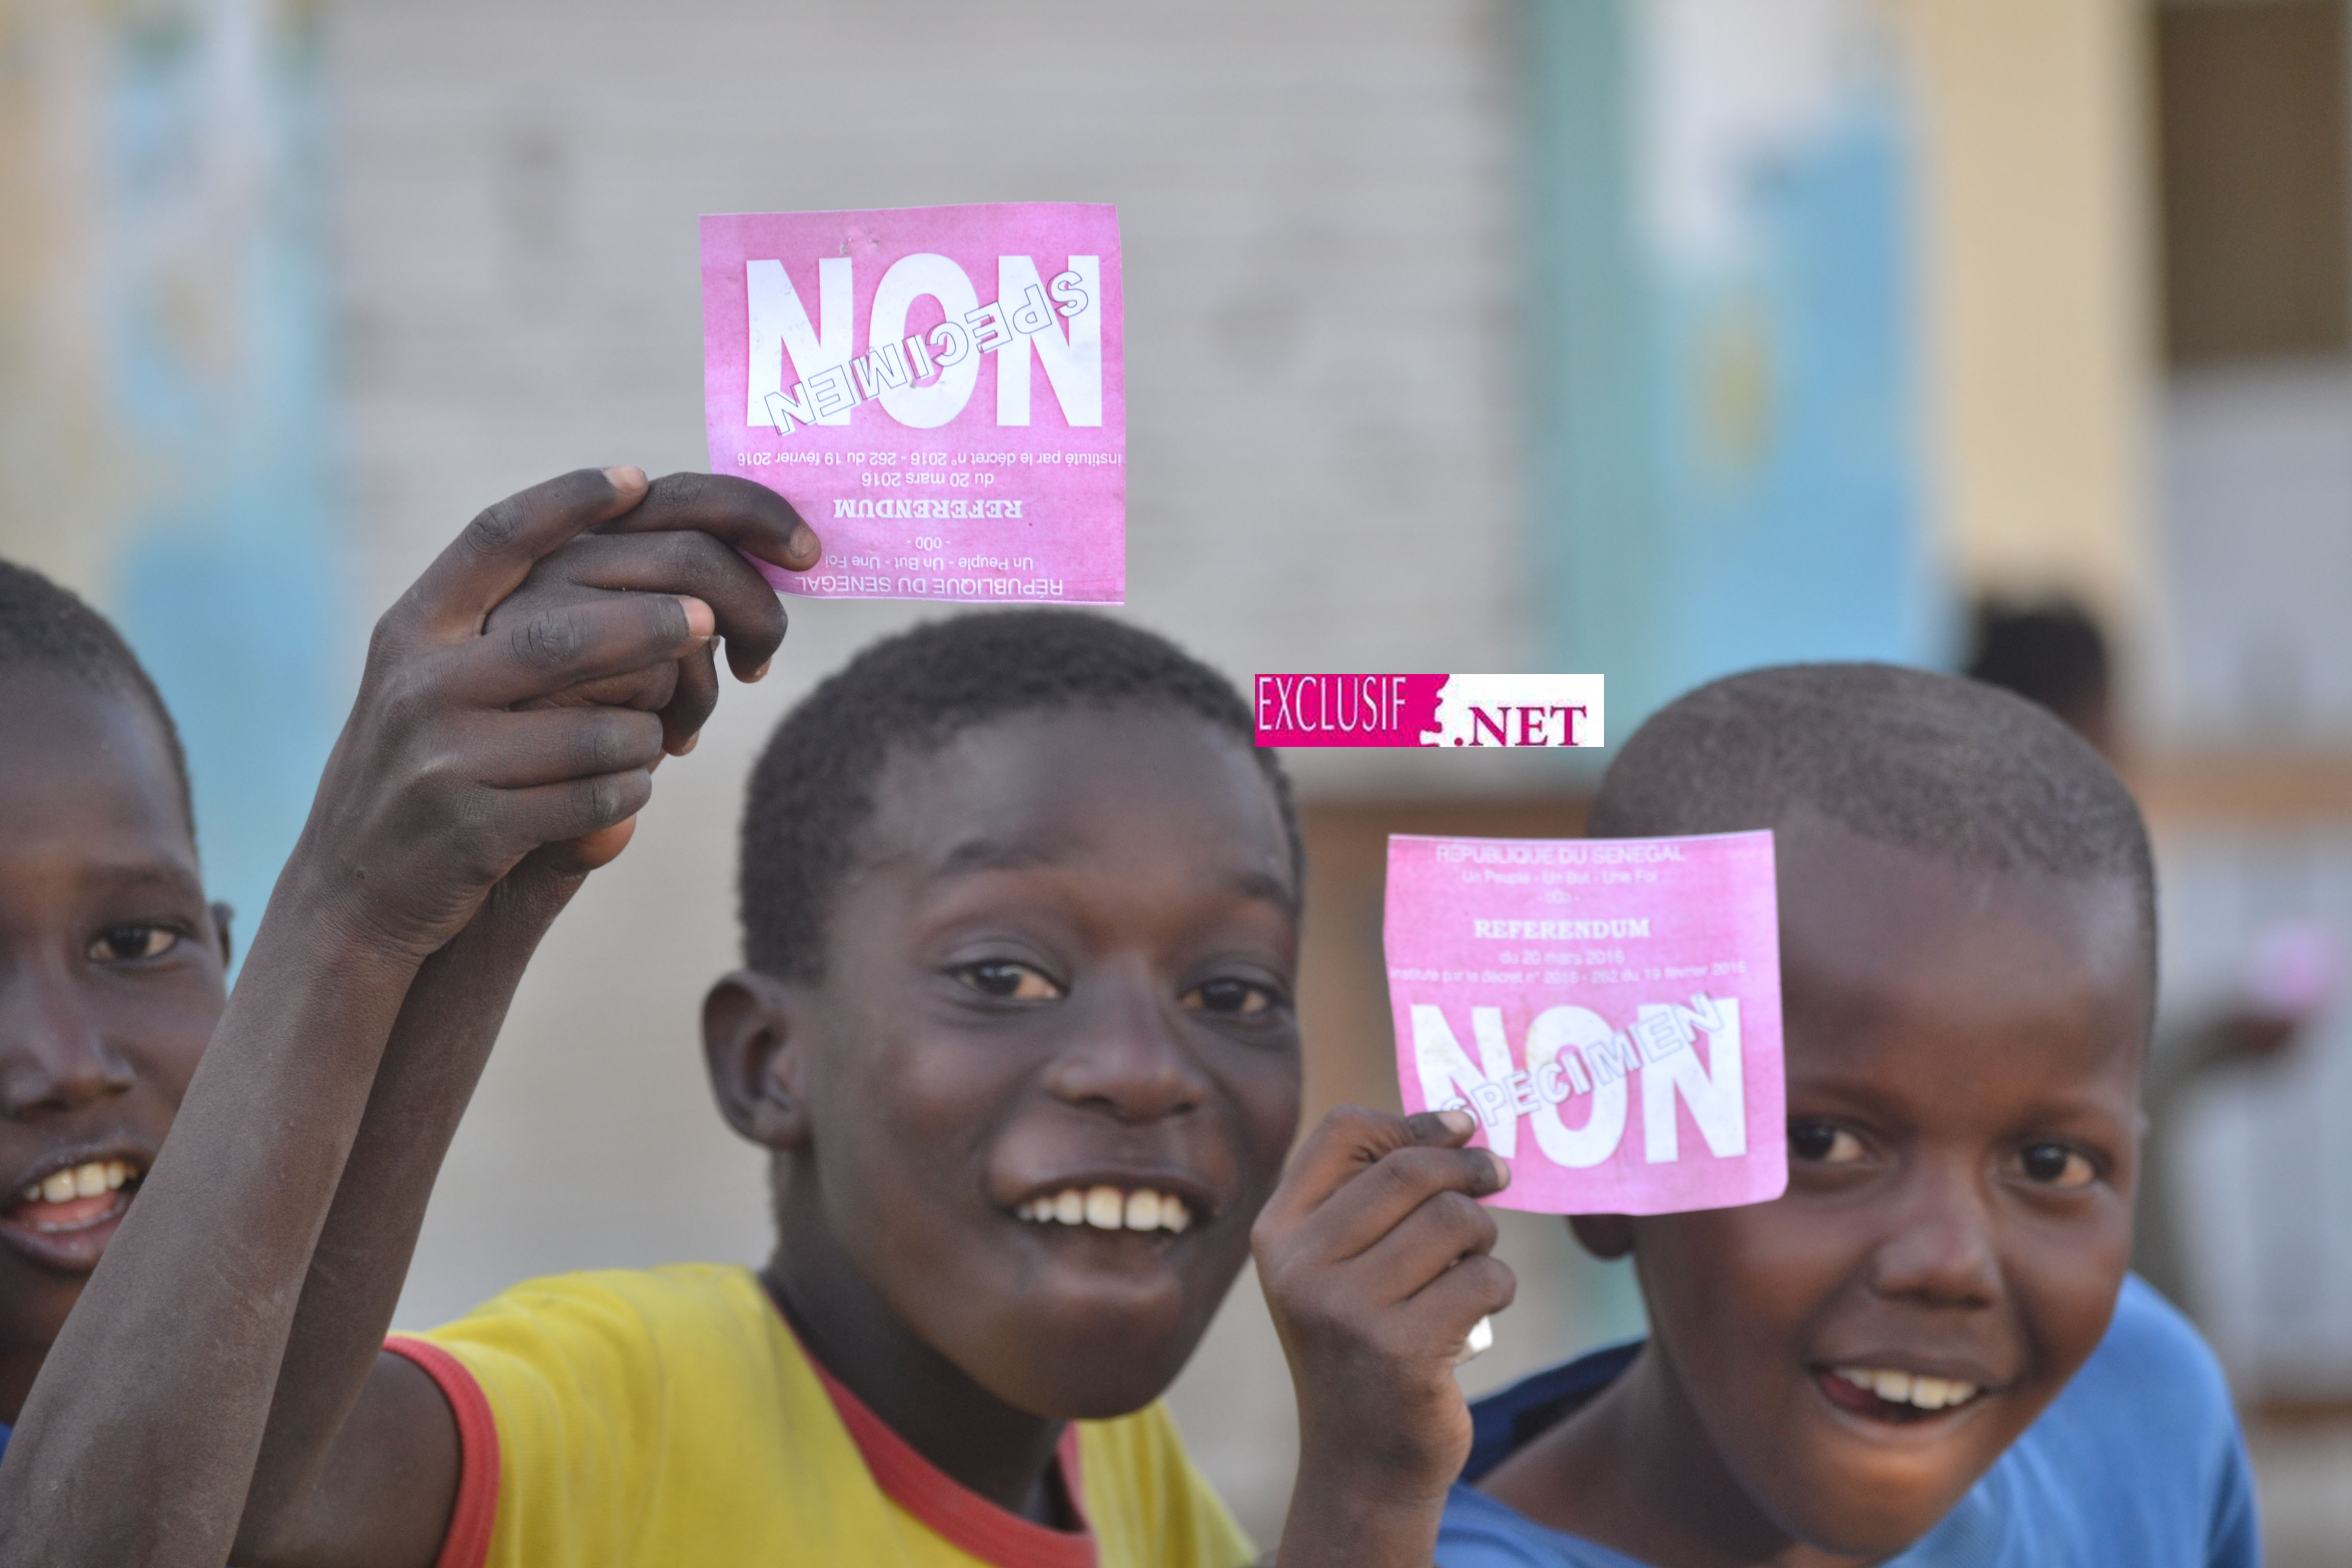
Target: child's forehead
x=1037 y=760
x=70 y=749
x=1039 y=782
x=1873 y=932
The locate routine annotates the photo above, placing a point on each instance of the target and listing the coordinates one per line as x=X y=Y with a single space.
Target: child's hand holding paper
x=1373 y=1254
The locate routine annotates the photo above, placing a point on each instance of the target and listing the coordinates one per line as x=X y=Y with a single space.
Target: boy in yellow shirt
x=1021 y=905
x=1019 y=902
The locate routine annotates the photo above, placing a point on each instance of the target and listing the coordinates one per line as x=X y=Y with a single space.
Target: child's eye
x=2056 y=1165
x=1008 y=981
x=126 y=943
x=1823 y=1143
x=1228 y=997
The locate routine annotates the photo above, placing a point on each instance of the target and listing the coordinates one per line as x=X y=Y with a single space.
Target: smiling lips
x=1899 y=1395
x=74 y=1198
x=1109 y=1208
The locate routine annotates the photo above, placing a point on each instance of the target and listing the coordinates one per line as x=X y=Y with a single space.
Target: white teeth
x=1915 y=1389
x=91 y=1178
x=1108 y=1208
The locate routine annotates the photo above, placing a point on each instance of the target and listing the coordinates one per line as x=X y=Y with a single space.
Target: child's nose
x=54 y=1054
x=1128 y=1057
x=1939 y=1244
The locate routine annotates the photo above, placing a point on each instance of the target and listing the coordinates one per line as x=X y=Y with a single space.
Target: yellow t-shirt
x=669 y=1415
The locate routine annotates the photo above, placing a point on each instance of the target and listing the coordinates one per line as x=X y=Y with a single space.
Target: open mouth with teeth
x=1108 y=1208
x=1885 y=1393
x=75 y=1197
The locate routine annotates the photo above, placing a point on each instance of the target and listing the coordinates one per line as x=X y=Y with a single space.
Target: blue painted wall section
x=227 y=583
x=1727 y=459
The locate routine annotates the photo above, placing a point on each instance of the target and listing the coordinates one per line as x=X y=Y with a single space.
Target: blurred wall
x=2035 y=235
x=1723 y=354
x=165 y=448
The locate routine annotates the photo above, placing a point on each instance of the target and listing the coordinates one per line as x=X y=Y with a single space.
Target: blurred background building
x=1655 y=337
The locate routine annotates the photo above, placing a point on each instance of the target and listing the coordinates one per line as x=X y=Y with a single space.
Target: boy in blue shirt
x=1928 y=1352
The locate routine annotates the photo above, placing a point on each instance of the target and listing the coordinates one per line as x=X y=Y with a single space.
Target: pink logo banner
x=939 y=390
x=1480 y=711
x=1608 y=1009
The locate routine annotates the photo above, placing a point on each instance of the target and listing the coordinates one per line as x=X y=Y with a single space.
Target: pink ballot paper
x=1608 y=1009
x=938 y=390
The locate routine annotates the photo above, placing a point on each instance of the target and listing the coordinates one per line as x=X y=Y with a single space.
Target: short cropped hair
x=813 y=786
x=1945 y=766
x=46 y=625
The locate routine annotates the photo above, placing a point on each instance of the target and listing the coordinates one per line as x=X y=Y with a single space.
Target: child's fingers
x=1362 y=1214
x=751 y=517
x=1446 y=1229
x=576 y=808
x=1451 y=1304
x=690 y=706
x=1343 y=1144
x=498 y=548
x=750 y=615
x=553 y=745
x=571 y=644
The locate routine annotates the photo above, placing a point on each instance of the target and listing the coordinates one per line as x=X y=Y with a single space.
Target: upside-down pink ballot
x=938 y=390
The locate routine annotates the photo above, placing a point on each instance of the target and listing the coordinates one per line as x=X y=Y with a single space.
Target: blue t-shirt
x=2139 y=1460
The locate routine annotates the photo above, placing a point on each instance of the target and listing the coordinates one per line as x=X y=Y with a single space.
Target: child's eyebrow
x=992 y=855
x=141 y=877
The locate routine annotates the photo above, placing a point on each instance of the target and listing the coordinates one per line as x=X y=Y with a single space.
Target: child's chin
x=1092 y=1388
x=1086 y=1356
x=1873 y=1504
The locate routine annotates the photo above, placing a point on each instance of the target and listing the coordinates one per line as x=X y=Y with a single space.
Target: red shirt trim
x=962 y=1518
x=468 y=1543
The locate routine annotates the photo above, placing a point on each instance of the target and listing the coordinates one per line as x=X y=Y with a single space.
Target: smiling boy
x=112 y=962
x=1020 y=909
x=1928 y=1352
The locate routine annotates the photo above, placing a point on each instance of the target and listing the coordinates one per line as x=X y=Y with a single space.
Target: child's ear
x=747 y=1043
x=222 y=915
x=1606 y=1236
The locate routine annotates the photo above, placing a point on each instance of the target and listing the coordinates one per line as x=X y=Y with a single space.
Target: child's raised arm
x=1375 y=1262
x=457 y=813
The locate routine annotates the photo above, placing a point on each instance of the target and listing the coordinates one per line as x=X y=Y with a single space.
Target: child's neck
x=978 y=1441
x=1635 y=1471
